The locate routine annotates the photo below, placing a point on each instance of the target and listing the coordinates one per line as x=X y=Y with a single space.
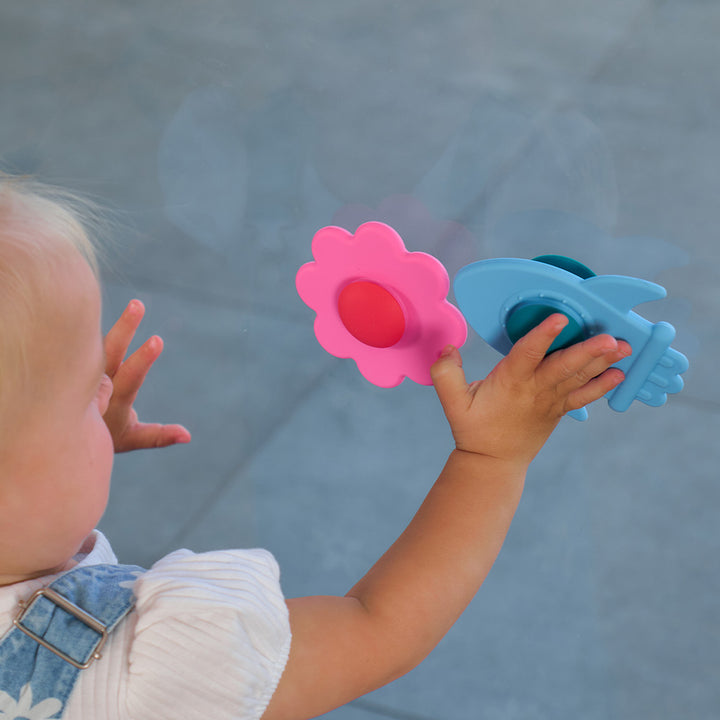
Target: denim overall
x=59 y=632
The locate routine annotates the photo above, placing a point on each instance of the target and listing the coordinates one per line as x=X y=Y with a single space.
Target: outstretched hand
x=511 y=413
x=127 y=376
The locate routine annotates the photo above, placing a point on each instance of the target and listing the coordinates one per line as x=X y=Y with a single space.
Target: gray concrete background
x=223 y=134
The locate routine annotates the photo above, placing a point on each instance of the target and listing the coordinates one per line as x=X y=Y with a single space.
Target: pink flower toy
x=379 y=304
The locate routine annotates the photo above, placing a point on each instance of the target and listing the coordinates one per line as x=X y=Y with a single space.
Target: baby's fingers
x=529 y=351
x=449 y=381
x=577 y=365
x=146 y=436
x=132 y=373
x=118 y=339
x=595 y=389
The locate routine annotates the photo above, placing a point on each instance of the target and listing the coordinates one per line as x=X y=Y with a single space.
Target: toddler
x=211 y=635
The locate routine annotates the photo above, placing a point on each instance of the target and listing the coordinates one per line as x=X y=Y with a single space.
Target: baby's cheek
x=101 y=449
x=104 y=452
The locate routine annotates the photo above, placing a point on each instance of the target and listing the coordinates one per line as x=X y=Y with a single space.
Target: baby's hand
x=127 y=376
x=511 y=413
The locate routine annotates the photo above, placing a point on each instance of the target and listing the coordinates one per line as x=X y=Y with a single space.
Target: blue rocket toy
x=503 y=299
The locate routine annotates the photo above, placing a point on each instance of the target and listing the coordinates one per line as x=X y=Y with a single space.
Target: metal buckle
x=72 y=609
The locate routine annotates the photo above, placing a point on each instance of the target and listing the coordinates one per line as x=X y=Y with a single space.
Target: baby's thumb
x=448 y=377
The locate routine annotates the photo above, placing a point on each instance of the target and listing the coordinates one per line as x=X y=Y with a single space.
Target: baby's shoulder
x=215 y=619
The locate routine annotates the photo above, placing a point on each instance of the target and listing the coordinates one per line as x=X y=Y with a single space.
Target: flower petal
x=8 y=704
x=45 y=710
x=24 y=702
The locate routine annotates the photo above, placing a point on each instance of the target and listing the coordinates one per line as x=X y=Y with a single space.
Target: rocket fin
x=624 y=293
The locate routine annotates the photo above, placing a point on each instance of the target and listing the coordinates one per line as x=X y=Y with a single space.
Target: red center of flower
x=371 y=314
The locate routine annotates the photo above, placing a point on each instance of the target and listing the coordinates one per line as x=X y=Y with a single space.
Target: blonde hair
x=39 y=225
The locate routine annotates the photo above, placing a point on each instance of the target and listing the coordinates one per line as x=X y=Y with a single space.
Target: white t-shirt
x=209 y=638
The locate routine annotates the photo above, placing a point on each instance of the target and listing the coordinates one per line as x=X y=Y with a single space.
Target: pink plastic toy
x=379 y=304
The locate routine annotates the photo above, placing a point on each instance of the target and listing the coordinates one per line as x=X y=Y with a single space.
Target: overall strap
x=59 y=632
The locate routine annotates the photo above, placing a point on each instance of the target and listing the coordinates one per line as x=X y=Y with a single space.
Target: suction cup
x=527 y=315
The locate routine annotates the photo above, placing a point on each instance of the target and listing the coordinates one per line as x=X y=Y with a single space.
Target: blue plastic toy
x=503 y=299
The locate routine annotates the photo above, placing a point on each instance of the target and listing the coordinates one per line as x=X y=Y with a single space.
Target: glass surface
x=221 y=135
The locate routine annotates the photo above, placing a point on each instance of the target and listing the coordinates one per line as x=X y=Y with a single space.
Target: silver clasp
x=72 y=609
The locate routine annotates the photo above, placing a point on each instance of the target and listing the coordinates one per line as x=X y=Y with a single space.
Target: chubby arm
x=127 y=376
x=395 y=615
